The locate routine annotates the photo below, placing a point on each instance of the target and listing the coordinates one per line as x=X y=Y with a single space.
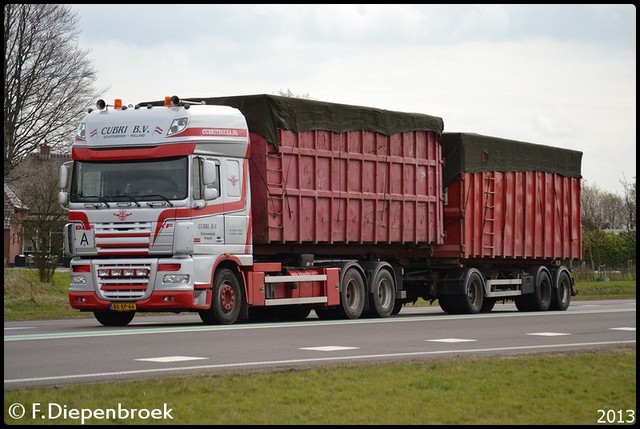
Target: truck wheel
x=542 y=296
x=384 y=294
x=540 y=299
x=114 y=318
x=226 y=300
x=352 y=295
x=561 y=296
x=471 y=302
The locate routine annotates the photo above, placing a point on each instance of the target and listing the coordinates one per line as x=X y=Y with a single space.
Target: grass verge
x=551 y=389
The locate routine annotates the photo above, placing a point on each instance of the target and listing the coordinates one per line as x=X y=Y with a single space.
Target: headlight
x=78 y=280
x=175 y=278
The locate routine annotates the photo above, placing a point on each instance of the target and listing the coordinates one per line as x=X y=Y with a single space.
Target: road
x=55 y=352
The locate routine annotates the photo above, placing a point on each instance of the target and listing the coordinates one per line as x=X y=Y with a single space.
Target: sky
x=557 y=75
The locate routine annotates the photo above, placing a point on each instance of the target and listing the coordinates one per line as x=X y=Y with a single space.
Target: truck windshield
x=142 y=180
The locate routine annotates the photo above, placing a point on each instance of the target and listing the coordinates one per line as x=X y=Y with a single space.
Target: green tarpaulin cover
x=266 y=113
x=472 y=153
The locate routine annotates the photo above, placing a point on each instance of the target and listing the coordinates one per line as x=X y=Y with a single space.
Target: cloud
x=560 y=75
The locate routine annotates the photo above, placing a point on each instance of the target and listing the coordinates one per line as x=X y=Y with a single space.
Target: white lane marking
x=166 y=359
x=548 y=334
x=301 y=361
x=20 y=327
x=306 y=323
x=329 y=348
x=623 y=328
x=451 y=340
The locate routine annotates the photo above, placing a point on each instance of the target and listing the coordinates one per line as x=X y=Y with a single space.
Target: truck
x=265 y=207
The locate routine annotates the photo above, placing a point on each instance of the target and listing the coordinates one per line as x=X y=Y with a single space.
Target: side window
x=206 y=179
x=196 y=179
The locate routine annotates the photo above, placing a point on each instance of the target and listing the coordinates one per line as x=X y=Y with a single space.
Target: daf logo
x=122 y=215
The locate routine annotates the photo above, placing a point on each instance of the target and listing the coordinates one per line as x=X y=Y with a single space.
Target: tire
x=226 y=301
x=561 y=295
x=114 y=318
x=352 y=295
x=471 y=302
x=383 y=297
x=540 y=299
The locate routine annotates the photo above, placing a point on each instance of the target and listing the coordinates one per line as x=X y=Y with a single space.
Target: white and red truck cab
x=149 y=215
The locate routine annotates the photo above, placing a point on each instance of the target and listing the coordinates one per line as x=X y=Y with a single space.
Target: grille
x=123 y=238
x=123 y=281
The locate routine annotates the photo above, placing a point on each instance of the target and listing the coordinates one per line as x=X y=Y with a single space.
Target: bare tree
x=630 y=203
x=289 y=93
x=47 y=79
x=602 y=210
x=44 y=224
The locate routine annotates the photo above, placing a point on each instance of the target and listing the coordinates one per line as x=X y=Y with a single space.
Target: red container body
x=513 y=215
x=355 y=187
x=510 y=200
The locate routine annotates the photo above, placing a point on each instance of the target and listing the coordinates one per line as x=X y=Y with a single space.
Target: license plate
x=123 y=306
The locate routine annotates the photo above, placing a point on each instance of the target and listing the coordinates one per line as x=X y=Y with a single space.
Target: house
x=35 y=166
x=14 y=214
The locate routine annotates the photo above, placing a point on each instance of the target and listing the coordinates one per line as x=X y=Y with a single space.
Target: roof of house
x=12 y=203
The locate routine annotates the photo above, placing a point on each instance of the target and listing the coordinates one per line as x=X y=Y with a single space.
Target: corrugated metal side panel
x=533 y=215
x=352 y=187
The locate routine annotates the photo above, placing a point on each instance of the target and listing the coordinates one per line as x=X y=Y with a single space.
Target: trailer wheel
x=384 y=294
x=471 y=302
x=226 y=300
x=352 y=295
x=114 y=318
x=561 y=296
x=540 y=299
